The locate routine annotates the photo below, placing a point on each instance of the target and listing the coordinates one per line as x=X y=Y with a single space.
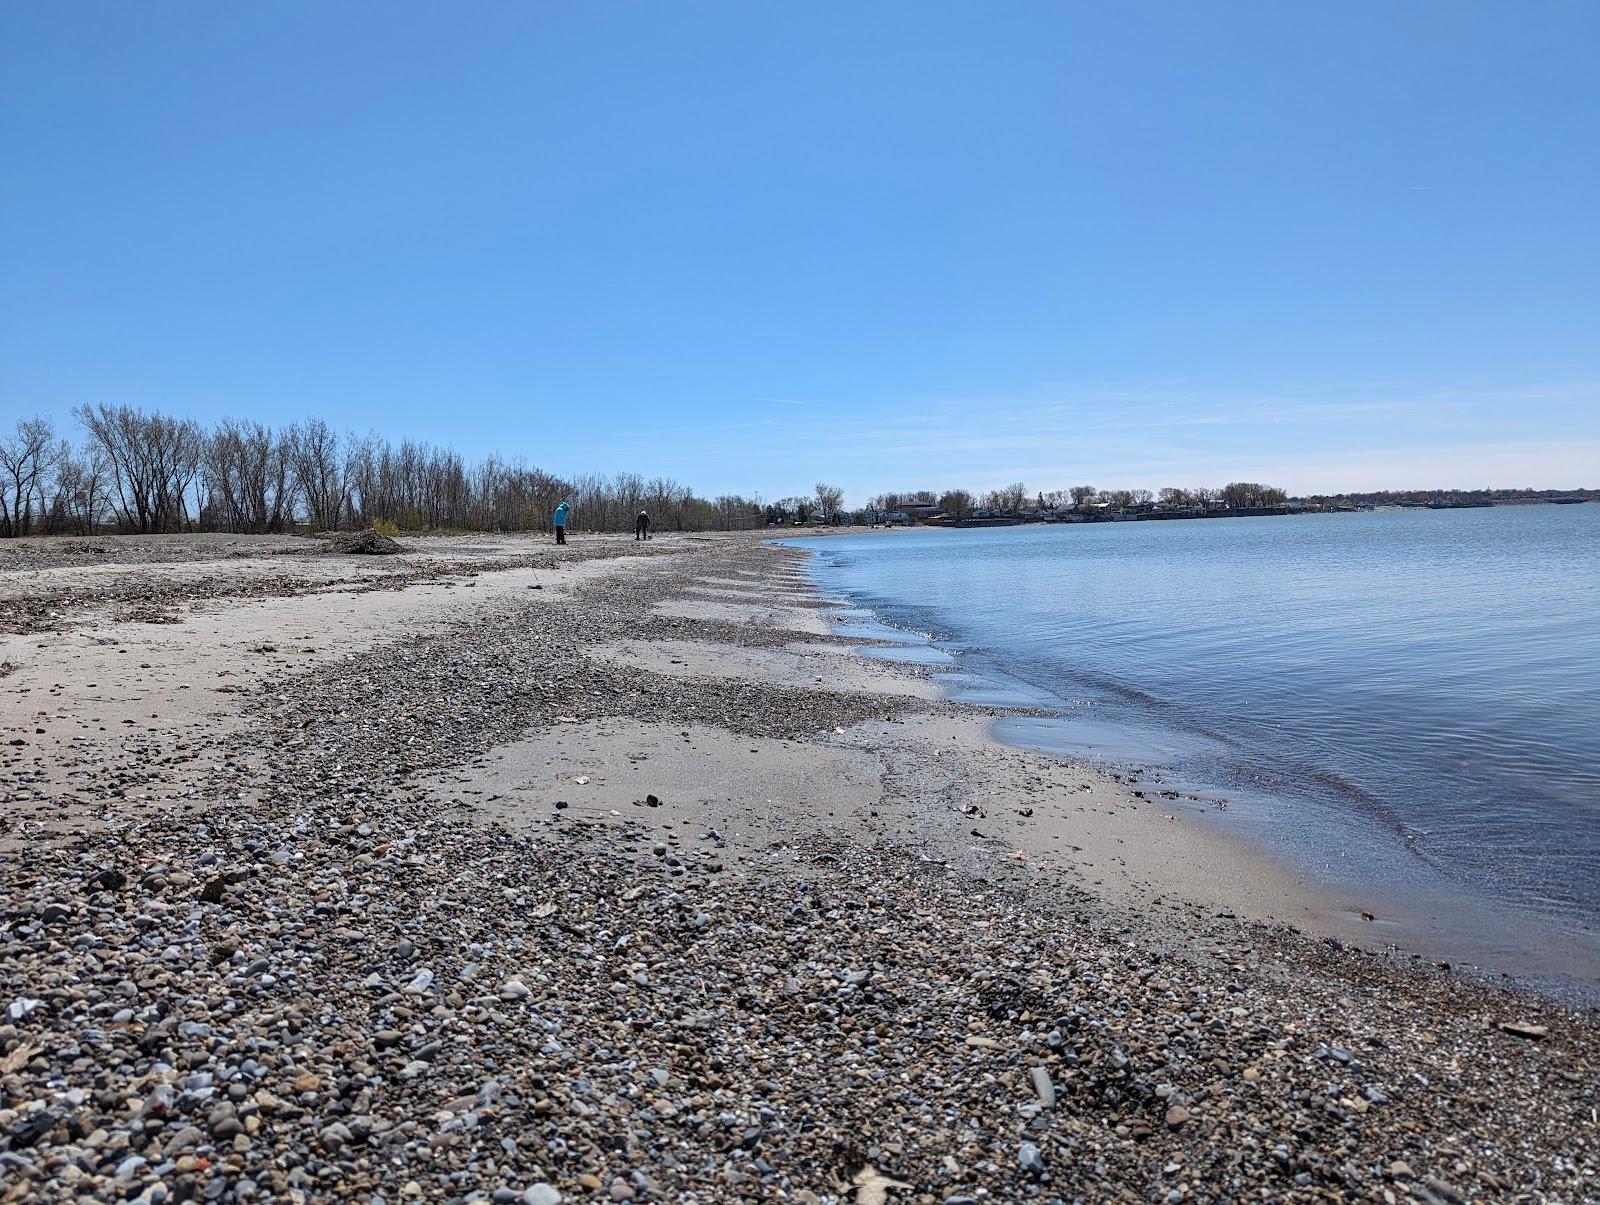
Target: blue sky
x=753 y=245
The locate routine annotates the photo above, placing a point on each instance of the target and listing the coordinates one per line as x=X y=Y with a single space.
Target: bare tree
x=154 y=461
x=321 y=475
x=737 y=513
x=27 y=456
x=177 y=447
x=663 y=494
x=956 y=503
x=1083 y=494
x=77 y=497
x=247 y=478
x=830 y=501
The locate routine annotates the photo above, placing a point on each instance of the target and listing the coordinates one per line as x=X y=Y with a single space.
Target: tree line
x=146 y=472
x=1014 y=499
x=1423 y=497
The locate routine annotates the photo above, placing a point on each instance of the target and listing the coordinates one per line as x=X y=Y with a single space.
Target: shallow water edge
x=1362 y=883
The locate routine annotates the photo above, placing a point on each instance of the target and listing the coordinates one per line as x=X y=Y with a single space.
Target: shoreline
x=614 y=873
x=1427 y=919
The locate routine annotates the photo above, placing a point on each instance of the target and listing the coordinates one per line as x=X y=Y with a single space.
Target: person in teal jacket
x=561 y=522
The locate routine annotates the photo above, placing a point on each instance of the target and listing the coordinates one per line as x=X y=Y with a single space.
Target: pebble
x=1030 y=1159
x=1042 y=1087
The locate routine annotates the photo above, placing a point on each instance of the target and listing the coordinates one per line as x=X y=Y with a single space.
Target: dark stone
x=109 y=879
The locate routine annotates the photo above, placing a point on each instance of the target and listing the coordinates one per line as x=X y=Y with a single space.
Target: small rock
x=420 y=984
x=1042 y=1087
x=1030 y=1159
x=1524 y=1029
x=109 y=879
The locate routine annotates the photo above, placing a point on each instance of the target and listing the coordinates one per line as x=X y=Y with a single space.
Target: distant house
x=919 y=514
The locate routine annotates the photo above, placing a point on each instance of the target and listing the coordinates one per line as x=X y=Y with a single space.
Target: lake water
x=1405 y=704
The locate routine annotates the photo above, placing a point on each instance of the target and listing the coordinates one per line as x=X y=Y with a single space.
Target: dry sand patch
x=108 y=713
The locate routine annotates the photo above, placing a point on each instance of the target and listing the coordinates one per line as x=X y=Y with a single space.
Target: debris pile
x=364 y=543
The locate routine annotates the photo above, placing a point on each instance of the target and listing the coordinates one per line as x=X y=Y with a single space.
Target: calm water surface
x=1406 y=703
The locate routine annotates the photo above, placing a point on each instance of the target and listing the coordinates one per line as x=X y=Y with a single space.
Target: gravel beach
x=492 y=871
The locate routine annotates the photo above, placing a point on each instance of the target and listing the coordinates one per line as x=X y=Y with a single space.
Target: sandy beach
x=501 y=871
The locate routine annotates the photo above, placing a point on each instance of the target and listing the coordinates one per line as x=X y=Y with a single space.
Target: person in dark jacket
x=641 y=526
